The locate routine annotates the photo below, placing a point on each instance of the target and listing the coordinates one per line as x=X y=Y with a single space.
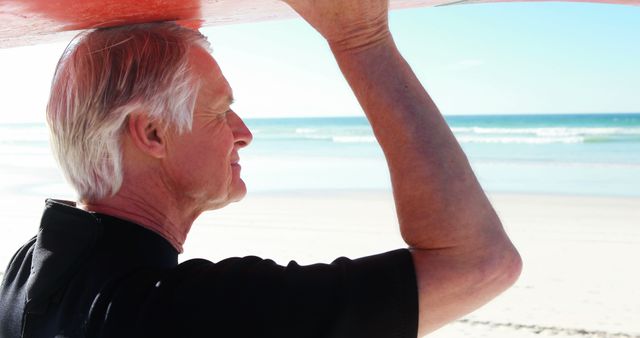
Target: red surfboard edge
x=28 y=22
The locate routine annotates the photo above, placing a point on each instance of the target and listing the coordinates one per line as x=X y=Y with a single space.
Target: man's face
x=203 y=163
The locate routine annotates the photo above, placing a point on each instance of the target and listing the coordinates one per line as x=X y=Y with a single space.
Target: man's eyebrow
x=231 y=100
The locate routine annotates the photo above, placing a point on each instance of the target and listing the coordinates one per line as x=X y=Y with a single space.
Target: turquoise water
x=557 y=154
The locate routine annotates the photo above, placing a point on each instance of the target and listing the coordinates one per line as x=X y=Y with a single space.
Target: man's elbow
x=453 y=286
x=504 y=269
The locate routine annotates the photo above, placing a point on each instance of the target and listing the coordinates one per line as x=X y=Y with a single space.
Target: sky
x=515 y=58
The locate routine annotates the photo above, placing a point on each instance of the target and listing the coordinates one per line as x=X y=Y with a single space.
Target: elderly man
x=142 y=126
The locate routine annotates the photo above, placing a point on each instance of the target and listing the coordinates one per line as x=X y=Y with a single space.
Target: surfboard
x=26 y=22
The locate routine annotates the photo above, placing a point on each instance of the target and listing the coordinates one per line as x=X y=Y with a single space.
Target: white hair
x=104 y=76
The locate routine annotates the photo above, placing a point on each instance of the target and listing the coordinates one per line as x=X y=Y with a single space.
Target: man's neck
x=162 y=217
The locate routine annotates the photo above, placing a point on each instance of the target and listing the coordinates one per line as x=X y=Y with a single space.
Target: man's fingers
x=347 y=25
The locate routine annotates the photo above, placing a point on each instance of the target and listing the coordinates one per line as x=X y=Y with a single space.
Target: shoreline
x=351 y=191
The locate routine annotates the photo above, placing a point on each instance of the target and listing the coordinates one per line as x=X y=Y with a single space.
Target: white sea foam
x=544 y=135
x=520 y=140
x=505 y=135
x=305 y=130
x=319 y=137
x=577 y=165
x=550 y=131
x=354 y=139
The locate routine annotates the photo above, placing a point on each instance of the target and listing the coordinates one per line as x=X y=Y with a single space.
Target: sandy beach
x=580 y=254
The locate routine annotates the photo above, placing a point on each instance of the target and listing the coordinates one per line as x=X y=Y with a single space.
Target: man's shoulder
x=24 y=253
x=13 y=290
x=251 y=296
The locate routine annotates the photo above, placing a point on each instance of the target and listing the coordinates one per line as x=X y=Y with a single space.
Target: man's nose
x=241 y=133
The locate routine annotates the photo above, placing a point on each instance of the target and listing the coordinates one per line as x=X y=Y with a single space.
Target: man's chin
x=242 y=194
x=238 y=192
x=235 y=195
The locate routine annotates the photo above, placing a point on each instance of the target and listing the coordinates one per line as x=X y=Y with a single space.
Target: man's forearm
x=461 y=254
x=439 y=201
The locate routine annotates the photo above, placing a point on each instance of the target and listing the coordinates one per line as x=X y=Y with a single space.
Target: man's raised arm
x=462 y=255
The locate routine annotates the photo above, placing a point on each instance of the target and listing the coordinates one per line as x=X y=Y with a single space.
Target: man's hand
x=346 y=24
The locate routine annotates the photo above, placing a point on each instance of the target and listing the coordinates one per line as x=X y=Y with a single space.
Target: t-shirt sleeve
x=374 y=296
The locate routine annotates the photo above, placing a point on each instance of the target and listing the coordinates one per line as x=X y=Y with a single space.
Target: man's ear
x=147 y=134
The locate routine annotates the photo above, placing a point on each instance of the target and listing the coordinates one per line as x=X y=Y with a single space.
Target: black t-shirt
x=93 y=275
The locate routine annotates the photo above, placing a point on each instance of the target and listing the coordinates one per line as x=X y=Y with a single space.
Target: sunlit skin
x=170 y=178
x=203 y=164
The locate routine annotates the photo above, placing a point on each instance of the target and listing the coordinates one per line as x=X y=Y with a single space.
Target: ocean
x=585 y=154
